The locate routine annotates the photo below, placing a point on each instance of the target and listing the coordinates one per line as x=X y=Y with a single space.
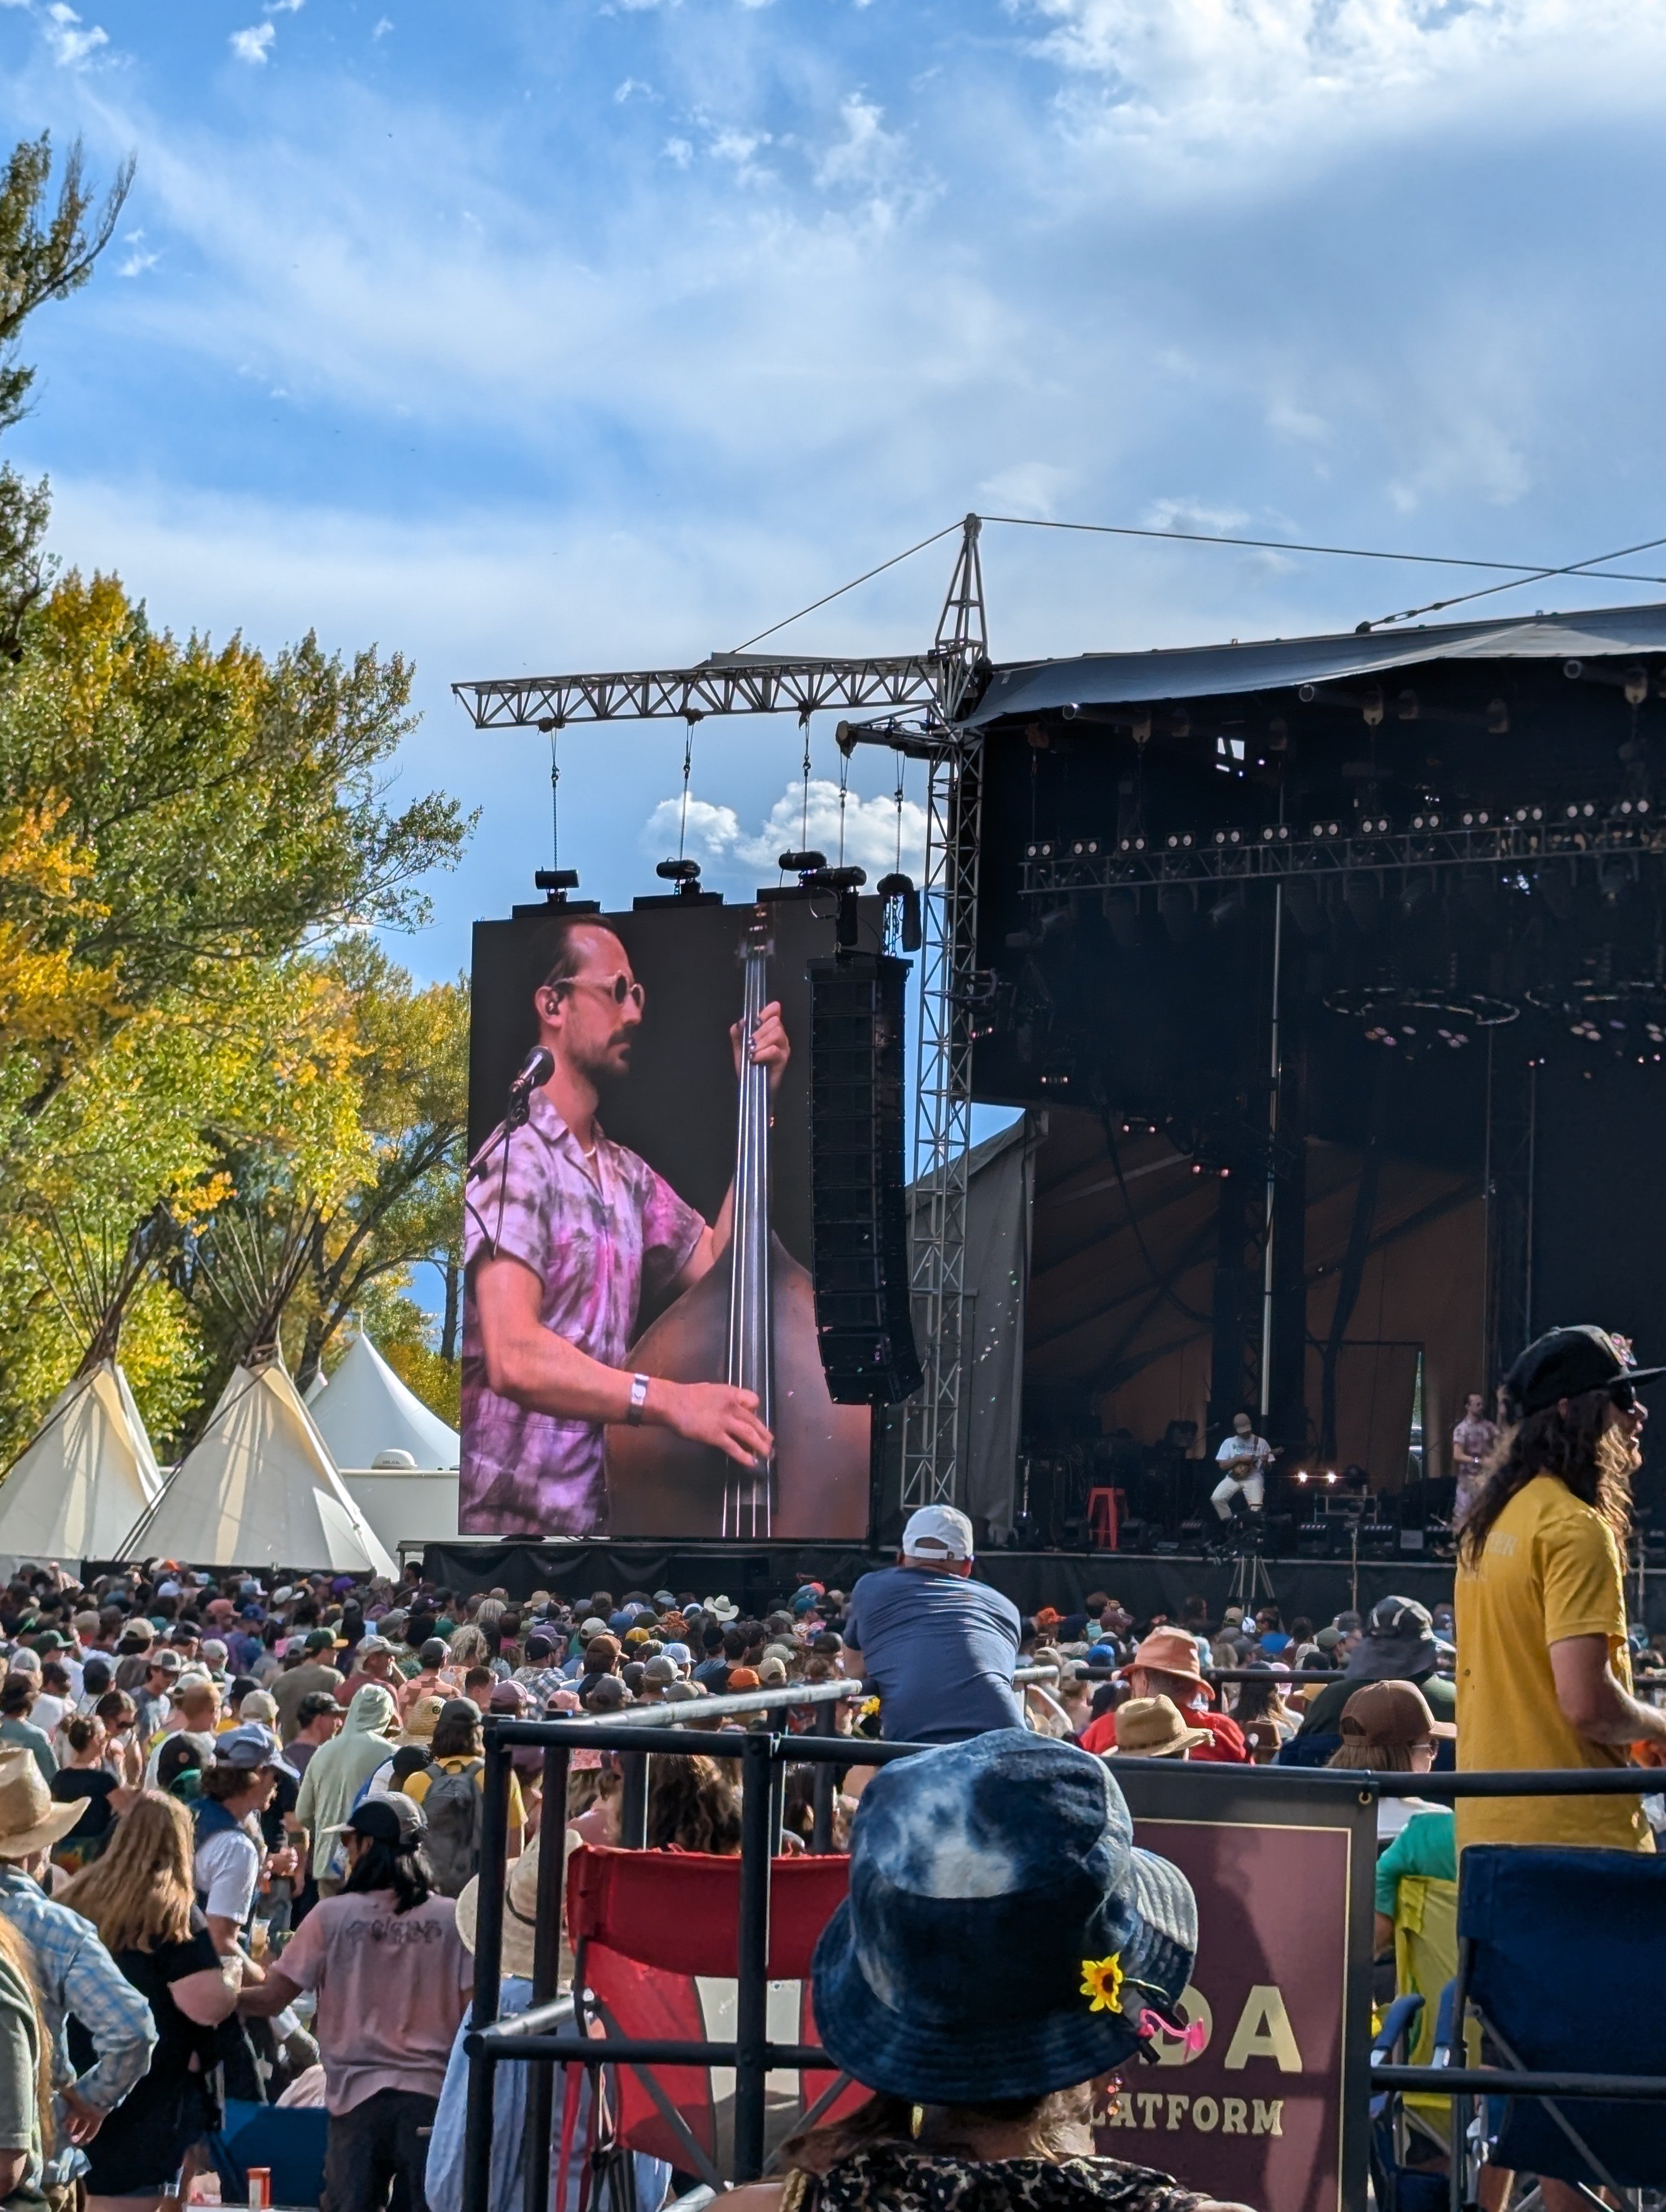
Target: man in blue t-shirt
x=939 y=1647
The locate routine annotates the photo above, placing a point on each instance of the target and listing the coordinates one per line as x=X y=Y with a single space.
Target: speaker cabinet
x=860 y=1233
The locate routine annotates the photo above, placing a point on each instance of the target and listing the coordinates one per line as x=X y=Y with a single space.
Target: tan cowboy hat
x=29 y=1820
x=520 y=1913
x=1153 y=1728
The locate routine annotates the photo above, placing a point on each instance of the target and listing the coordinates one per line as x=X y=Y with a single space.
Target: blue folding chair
x=1397 y=2184
x=1562 y=1958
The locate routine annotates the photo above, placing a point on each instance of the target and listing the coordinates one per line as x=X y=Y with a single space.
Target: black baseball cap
x=1566 y=1363
x=396 y=1820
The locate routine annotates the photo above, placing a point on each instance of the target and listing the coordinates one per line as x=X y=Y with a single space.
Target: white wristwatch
x=638 y=1400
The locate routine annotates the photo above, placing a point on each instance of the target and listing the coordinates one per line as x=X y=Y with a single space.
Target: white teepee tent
x=83 y=1478
x=259 y=1488
x=315 y=1388
x=368 y=1410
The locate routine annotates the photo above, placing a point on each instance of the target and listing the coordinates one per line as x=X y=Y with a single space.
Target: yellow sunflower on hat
x=1102 y=1980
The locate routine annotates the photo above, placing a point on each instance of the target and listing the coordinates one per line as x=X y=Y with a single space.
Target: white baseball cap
x=937 y=1528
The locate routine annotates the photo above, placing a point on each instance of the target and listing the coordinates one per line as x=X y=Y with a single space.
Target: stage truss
x=918 y=701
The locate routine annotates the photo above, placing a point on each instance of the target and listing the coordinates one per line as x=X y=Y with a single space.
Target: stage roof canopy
x=1106 y=679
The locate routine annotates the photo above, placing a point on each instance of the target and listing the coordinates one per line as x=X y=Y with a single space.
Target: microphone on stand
x=533 y=1072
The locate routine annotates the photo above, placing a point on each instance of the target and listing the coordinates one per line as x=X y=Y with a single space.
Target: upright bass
x=751 y=1322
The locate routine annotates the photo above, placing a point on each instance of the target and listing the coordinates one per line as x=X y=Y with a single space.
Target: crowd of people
x=240 y=1820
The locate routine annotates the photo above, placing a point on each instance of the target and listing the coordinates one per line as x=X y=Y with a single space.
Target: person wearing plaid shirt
x=73 y=1972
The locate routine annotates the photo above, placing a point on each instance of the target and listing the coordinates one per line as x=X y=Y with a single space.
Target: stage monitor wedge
x=860 y=1231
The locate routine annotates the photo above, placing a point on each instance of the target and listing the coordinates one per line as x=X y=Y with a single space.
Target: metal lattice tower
x=934 y=1419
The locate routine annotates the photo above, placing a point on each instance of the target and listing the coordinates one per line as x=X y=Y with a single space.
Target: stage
x=753 y=1576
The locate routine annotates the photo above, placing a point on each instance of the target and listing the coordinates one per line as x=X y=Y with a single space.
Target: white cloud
x=717 y=839
x=632 y=88
x=1192 y=514
x=70 y=45
x=382 y=26
x=253 y=45
x=865 y=152
x=677 y=151
x=283 y=7
x=1031 y=487
x=137 y=260
x=1174 y=75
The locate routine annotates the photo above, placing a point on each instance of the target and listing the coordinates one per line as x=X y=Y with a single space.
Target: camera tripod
x=1252 y=1586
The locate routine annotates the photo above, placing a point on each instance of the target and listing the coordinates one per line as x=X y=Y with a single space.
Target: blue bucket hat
x=1001 y=1935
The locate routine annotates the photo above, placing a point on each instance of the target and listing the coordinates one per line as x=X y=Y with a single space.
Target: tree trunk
x=453 y=1308
x=312 y=1351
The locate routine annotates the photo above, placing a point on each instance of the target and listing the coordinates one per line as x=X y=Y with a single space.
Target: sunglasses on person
x=1623 y=1396
x=619 y=987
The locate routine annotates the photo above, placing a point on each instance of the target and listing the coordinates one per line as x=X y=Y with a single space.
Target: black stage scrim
x=678 y=1109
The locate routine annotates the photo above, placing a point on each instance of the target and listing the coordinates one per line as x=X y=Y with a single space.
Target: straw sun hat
x=29 y=1820
x=520 y=1913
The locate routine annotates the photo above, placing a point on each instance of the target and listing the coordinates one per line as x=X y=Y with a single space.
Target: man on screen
x=561 y=1234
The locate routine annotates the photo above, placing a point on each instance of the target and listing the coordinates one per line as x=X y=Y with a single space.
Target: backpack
x=451 y=1839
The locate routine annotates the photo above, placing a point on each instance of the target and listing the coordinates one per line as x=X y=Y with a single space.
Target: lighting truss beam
x=724 y=683
x=933 y=1420
x=1086 y=864
x=935 y=1423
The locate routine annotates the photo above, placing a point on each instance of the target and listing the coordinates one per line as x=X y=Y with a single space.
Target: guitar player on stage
x=562 y=1232
x=1243 y=1459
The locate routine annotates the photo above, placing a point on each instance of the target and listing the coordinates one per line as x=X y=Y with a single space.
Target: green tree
x=203 y=806
x=46 y=252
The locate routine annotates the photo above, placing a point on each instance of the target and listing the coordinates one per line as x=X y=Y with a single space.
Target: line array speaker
x=861 y=1235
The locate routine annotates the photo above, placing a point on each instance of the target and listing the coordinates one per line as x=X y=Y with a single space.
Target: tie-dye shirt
x=595 y=1233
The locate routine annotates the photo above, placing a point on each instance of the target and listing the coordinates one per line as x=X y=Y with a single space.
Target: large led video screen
x=608 y=1254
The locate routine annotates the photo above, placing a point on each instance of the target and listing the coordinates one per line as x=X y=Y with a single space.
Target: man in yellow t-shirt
x=1544 y=1677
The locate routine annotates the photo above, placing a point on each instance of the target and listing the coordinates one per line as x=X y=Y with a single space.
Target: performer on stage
x=1243 y=1459
x=1473 y=1440
x=562 y=1232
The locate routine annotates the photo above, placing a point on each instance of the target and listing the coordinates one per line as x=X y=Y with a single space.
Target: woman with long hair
x=392 y=1979
x=469 y=1648
x=1262 y=1713
x=84 y=1775
x=124 y=1752
x=692 y=1806
x=1544 y=1665
x=139 y=1896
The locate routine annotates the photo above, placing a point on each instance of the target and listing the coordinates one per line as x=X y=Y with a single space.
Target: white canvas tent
x=368 y=1411
x=85 y=1476
x=259 y=1488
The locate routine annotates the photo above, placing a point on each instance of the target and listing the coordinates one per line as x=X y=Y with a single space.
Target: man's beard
x=602 y=1070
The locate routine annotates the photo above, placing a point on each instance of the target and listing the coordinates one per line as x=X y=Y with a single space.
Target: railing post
x=823 y=1792
x=753 y=1964
x=633 y=1800
x=488 y=1971
x=546 y=1971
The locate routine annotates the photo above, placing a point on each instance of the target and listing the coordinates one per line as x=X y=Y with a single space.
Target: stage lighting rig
x=1409 y=1020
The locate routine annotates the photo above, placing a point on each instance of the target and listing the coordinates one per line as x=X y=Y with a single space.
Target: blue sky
x=550 y=335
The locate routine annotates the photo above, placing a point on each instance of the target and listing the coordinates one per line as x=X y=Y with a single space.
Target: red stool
x=1105 y=1508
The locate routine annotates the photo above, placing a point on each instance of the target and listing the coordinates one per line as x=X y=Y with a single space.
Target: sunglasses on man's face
x=619 y=987
x=1623 y=1396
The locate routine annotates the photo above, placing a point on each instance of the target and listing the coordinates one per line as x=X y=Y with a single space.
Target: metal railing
x=536 y=2037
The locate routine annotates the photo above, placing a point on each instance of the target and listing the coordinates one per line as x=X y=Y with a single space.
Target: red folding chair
x=655 y=1936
